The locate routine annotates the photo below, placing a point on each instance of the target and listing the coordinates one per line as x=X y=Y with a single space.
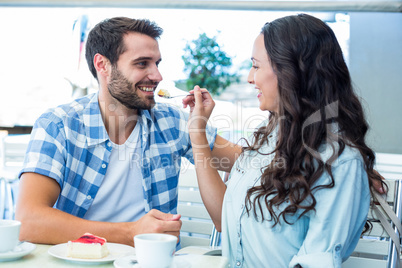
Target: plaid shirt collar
x=94 y=126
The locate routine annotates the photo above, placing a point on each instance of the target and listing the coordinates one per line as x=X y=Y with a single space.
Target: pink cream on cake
x=88 y=246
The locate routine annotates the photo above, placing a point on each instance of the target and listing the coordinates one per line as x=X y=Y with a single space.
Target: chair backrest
x=389 y=165
x=13 y=151
x=375 y=249
x=198 y=228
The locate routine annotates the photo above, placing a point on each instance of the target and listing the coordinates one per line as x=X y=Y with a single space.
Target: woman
x=299 y=194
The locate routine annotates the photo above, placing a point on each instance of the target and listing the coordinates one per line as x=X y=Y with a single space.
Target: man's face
x=135 y=77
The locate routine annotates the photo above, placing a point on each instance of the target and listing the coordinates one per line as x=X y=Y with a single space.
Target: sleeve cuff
x=317 y=260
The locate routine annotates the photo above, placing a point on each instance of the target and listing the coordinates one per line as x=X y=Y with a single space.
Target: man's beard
x=125 y=92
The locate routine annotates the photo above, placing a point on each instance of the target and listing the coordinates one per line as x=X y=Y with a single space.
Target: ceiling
x=335 y=6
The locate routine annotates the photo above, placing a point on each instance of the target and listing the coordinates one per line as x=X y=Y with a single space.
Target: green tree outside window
x=207 y=65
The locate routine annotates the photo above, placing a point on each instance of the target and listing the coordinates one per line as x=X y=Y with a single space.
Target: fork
x=171 y=97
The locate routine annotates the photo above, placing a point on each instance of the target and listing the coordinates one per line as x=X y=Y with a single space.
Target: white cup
x=9 y=234
x=155 y=250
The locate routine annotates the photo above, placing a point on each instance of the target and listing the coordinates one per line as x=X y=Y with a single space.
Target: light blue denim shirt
x=321 y=238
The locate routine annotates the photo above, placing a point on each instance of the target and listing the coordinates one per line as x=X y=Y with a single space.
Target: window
x=40 y=50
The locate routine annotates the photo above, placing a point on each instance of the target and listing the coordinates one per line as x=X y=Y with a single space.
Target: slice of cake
x=88 y=246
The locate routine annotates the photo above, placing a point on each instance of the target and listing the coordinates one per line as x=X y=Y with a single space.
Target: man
x=108 y=163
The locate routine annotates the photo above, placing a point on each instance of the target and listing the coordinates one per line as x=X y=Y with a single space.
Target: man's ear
x=102 y=65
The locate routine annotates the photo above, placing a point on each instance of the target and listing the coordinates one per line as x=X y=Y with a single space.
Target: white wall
x=376 y=69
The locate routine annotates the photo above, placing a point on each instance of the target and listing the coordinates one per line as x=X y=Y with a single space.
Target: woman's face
x=264 y=79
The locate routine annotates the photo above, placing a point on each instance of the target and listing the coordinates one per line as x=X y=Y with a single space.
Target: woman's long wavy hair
x=315 y=90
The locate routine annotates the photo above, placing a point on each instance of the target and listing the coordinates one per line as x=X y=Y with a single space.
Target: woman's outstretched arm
x=207 y=162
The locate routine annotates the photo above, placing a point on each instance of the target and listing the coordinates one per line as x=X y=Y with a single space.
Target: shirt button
x=89 y=197
x=109 y=144
x=238 y=263
x=238 y=234
x=337 y=248
x=103 y=165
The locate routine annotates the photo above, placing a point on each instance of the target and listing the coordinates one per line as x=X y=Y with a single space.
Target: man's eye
x=142 y=63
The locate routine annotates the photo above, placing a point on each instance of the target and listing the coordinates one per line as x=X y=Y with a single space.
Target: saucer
x=18 y=252
x=126 y=262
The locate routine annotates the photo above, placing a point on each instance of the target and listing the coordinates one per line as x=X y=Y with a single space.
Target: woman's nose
x=250 y=77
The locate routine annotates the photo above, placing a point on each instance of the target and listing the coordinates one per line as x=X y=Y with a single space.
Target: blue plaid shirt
x=70 y=145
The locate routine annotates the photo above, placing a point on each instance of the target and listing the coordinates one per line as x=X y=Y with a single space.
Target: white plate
x=19 y=252
x=115 y=251
x=126 y=262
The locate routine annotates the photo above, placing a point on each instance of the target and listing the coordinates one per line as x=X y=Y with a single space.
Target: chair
x=13 y=149
x=376 y=249
x=389 y=165
x=198 y=228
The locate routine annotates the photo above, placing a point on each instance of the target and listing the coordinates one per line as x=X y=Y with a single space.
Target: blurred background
x=43 y=64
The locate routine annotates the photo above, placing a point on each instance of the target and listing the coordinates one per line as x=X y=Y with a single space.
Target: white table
x=40 y=258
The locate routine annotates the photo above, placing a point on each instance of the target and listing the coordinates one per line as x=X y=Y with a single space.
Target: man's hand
x=156 y=221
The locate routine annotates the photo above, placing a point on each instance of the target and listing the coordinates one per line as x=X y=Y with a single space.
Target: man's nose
x=155 y=75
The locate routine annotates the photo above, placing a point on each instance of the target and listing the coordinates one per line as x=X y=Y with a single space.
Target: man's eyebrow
x=145 y=59
x=141 y=59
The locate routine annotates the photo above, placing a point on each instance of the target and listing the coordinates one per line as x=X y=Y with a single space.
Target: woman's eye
x=255 y=67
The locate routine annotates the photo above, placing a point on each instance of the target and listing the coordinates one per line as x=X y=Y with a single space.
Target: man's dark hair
x=106 y=38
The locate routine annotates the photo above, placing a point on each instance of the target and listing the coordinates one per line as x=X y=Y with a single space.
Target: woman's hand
x=201 y=106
